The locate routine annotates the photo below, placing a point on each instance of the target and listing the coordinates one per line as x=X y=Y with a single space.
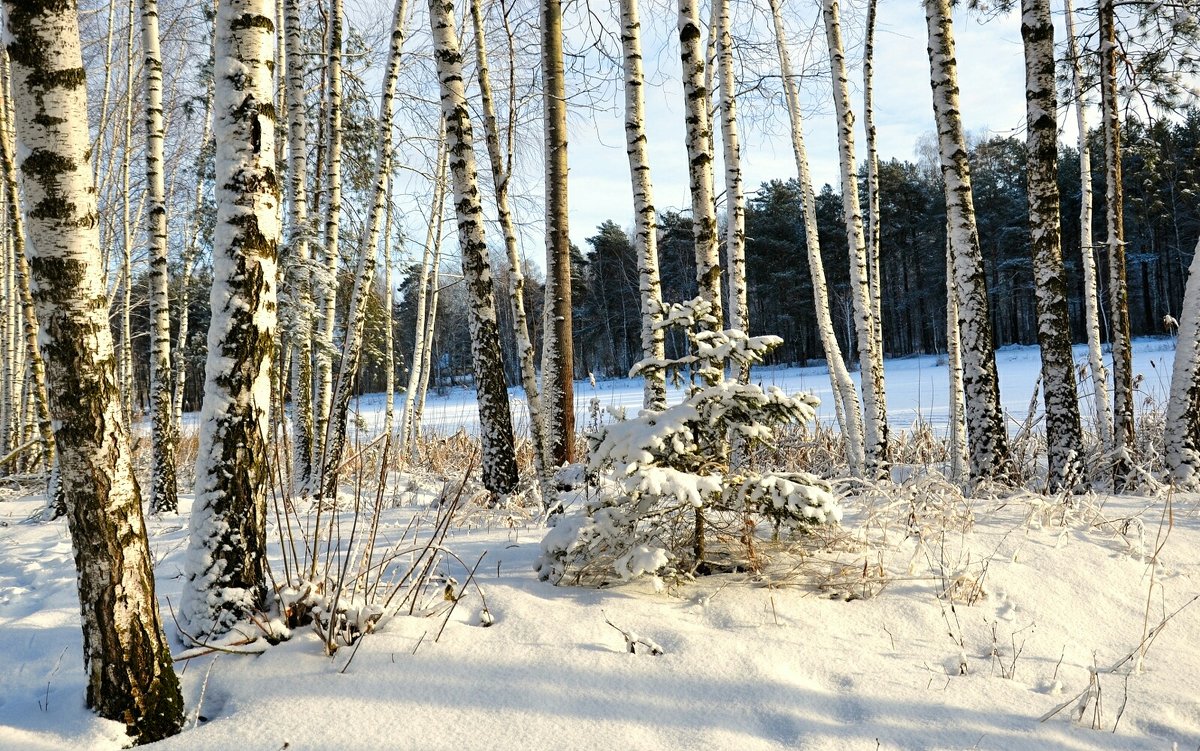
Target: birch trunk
x=163 y=492
x=389 y=343
x=1182 y=428
x=126 y=655
x=225 y=574
x=364 y=278
x=957 y=444
x=985 y=420
x=495 y=420
x=869 y=357
x=735 y=197
x=654 y=394
x=1063 y=433
x=874 y=243
x=1118 y=288
x=1091 y=294
x=430 y=321
x=700 y=157
x=500 y=177
x=846 y=404
x=558 y=349
x=128 y=390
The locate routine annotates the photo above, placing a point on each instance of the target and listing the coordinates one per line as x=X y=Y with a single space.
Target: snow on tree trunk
x=1063 y=433
x=981 y=388
x=1182 y=428
x=869 y=357
x=297 y=298
x=126 y=655
x=225 y=571
x=500 y=178
x=700 y=157
x=163 y=493
x=495 y=420
x=645 y=221
x=846 y=404
x=1118 y=287
x=735 y=198
x=1091 y=295
x=364 y=277
x=874 y=244
x=558 y=348
x=957 y=445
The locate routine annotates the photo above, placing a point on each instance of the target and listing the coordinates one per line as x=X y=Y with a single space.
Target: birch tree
x=225 y=572
x=130 y=678
x=558 y=354
x=495 y=420
x=870 y=357
x=1063 y=433
x=985 y=421
x=874 y=234
x=957 y=438
x=1182 y=426
x=846 y=403
x=645 y=220
x=735 y=197
x=163 y=492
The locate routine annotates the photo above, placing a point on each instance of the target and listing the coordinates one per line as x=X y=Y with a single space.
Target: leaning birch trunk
x=495 y=420
x=654 y=394
x=1182 y=428
x=422 y=332
x=364 y=278
x=874 y=232
x=558 y=348
x=846 y=404
x=164 y=496
x=735 y=197
x=500 y=177
x=1063 y=433
x=126 y=654
x=981 y=388
x=869 y=357
x=1091 y=294
x=299 y=301
x=700 y=157
x=957 y=417
x=1118 y=288
x=333 y=216
x=225 y=575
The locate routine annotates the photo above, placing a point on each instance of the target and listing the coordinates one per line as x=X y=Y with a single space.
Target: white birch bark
x=431 y=314
x=846 y=403
x=1091 y=294
x=735 y=197
x=495 y=419
x=389 y=299
x=645 y=219
x=874 y=234
x=126 y=656
x=869 y=357
x=1182 y=427
x=163 y=492
x=225 y=571
x=985 y=421
x=128 y=391
x=957 y=430
x=699 y=140
x=1063 y=432
x=364 y=277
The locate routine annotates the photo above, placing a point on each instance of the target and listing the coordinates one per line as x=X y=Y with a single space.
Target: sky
x=991 y=78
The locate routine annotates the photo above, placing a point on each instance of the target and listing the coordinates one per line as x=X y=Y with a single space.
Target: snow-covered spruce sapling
x=663 y=478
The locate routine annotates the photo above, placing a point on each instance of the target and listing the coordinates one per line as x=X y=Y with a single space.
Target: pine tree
x=126 y=655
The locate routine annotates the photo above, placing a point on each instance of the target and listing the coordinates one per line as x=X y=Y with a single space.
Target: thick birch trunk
x=957 y=438
x=700 y=157
x=1118 y=288
x=126 y=655
x=364 y=278
x=495 y=420
x=558 y=348
x=735 y=197
x=500 y=177
x=1091 y=294
x=869 y=357
x=985 y=420
x=225 y=576
x=645 y=220
x=846 y=404
x=1063 y=433
x=163 y=492
x=1182 y=429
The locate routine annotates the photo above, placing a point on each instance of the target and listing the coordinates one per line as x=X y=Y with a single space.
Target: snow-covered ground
x=1042 y=595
